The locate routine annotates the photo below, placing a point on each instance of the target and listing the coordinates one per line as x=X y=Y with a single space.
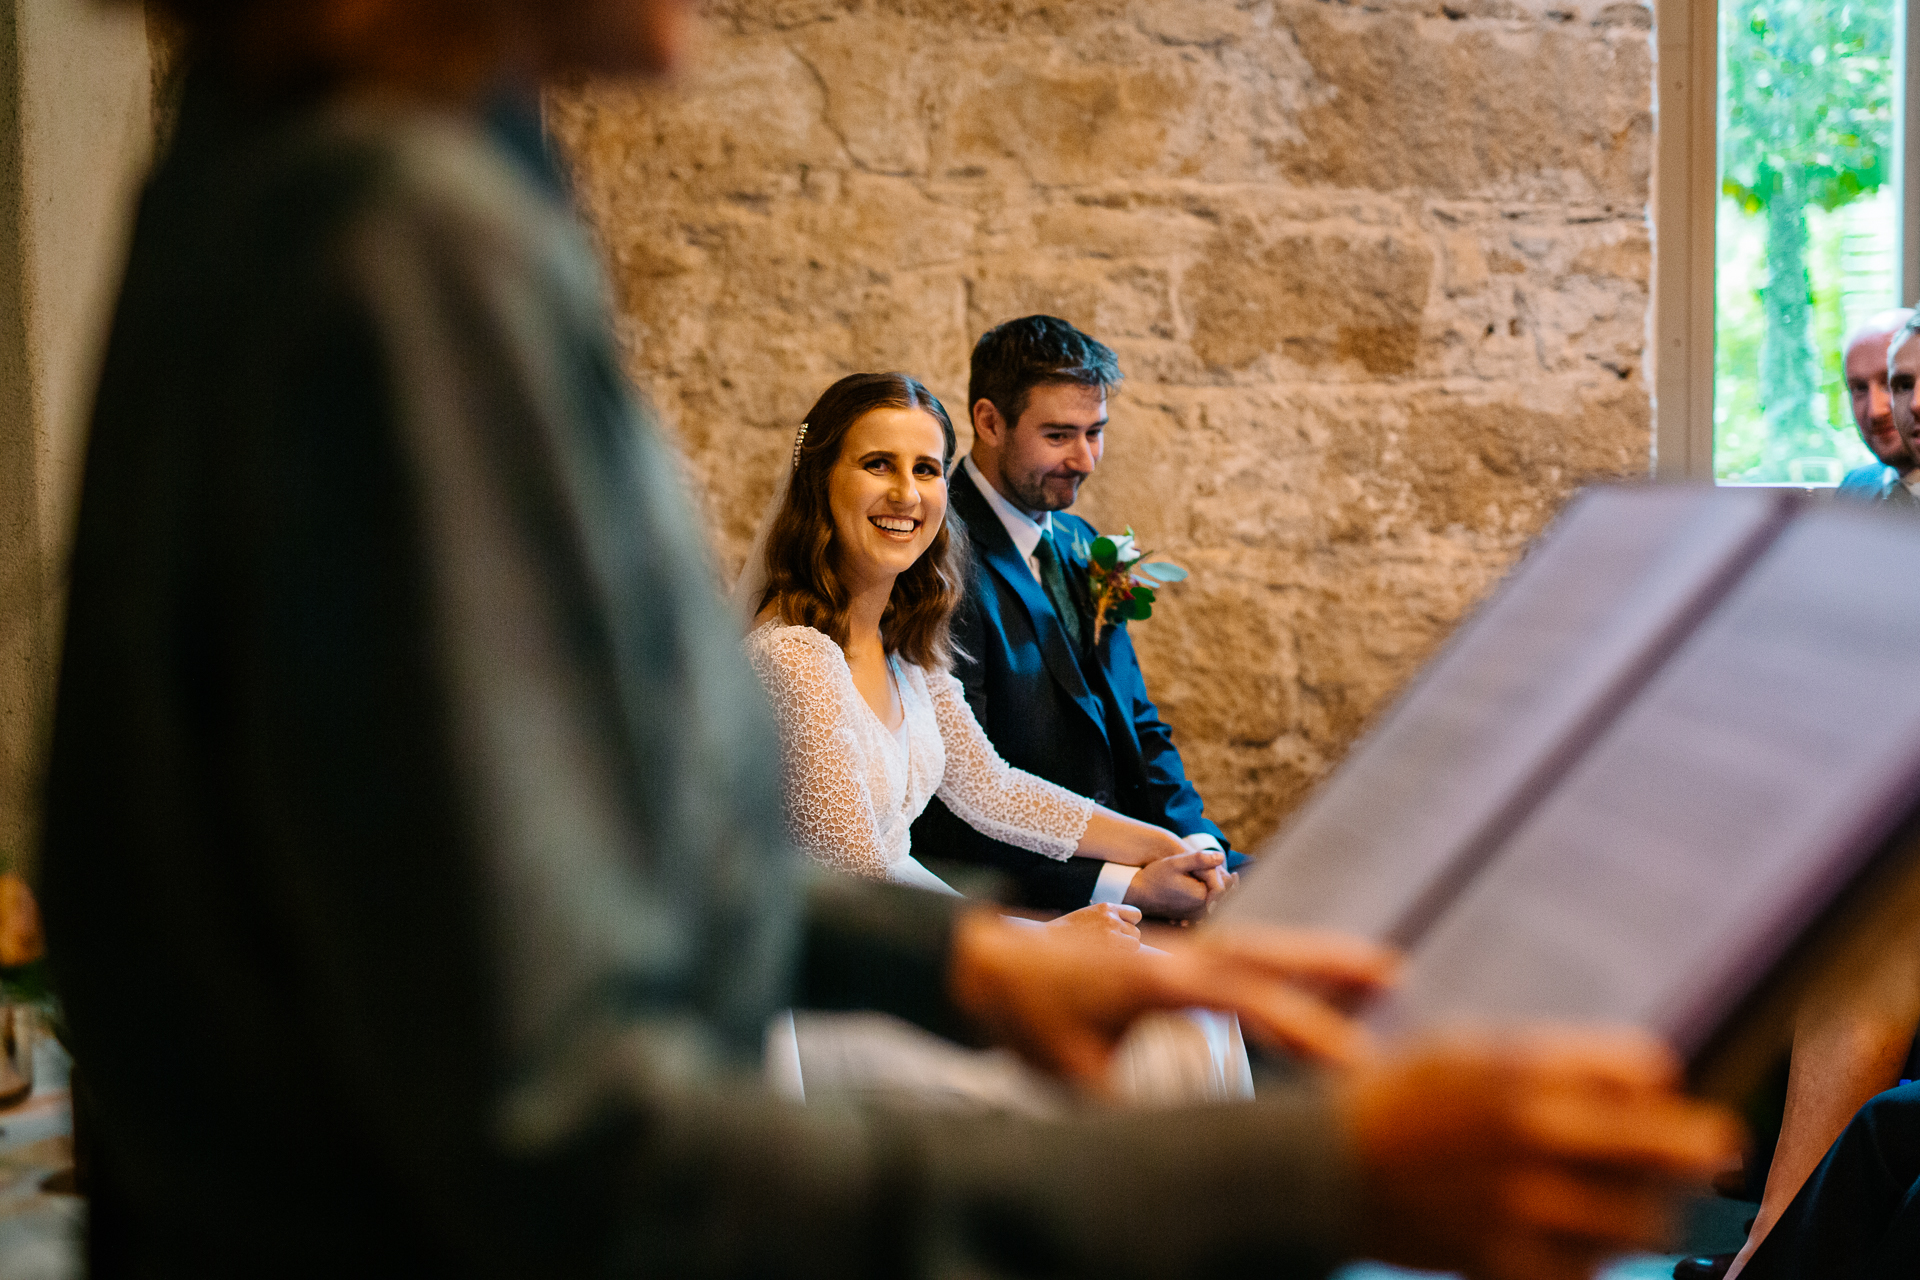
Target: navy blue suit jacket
x=1088 y=726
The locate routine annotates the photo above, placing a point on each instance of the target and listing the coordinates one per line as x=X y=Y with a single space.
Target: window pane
x=1805 y=229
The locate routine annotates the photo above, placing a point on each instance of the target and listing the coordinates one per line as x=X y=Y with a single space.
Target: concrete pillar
x=76 y=130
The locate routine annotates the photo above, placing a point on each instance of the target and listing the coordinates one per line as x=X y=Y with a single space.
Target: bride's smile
x=888 y=494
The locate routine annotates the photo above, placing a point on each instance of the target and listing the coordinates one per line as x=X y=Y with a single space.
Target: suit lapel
x=1072 y=533
x=994 y=548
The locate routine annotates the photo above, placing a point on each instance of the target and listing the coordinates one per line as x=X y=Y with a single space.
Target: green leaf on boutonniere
x=1161 y=572
x=1138 y=608
x=1142 y=593
x=1104 y=553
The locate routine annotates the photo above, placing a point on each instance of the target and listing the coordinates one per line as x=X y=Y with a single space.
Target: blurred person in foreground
x=413 y=870
x=1864 y=362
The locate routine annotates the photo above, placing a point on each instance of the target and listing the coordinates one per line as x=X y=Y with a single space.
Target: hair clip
x=797 y=442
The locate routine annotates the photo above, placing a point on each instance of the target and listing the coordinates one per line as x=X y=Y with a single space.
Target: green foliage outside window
x=1806 y=135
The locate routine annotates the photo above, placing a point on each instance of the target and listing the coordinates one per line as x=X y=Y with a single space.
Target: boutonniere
x=1120 y=586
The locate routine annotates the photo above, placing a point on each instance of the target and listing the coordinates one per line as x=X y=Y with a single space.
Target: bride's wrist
x=1163 y=844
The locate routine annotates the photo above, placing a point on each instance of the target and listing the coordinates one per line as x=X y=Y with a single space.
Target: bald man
x=1866 y=372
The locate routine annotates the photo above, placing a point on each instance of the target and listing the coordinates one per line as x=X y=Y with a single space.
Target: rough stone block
x=1464 y=107
x=1309 y=299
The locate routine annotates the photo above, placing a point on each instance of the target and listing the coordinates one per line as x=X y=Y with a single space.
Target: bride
x=851 y=585
x=853 y=590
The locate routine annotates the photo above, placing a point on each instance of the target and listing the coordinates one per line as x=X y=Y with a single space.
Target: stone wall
x=75 y=133
x=1378 y=276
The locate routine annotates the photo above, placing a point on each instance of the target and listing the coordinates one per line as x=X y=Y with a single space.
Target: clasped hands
x=1181 y=886
x=1174 y=882
x=1518 y=1155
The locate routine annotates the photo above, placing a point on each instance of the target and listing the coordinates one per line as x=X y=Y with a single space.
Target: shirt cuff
x=1115 y=879
x=1202 y=840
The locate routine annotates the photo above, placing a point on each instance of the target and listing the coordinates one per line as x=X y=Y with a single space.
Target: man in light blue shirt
x=1866 y=371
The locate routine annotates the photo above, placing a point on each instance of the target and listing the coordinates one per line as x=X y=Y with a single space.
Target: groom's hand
x=1182 y=887
x=1064 y=1003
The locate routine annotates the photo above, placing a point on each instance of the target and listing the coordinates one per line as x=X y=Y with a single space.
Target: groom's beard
x=1045 y=490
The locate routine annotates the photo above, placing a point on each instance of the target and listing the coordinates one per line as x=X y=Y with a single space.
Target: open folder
x=1668 y=775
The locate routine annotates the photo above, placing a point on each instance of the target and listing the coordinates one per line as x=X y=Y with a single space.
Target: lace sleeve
x=992 y=796
x=829 y=805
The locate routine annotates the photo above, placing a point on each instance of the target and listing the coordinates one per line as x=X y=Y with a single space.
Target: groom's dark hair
x=1011 y=359
x=803 y=580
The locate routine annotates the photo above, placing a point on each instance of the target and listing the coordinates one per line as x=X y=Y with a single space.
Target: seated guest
x=1865 y=364
x=1852 y=1038
x=1052 y=701
x=1903 y=388
x=1851 y=1044
x=1858 y=1216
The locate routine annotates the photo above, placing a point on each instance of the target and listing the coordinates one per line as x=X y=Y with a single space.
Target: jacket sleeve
x=1165 y=795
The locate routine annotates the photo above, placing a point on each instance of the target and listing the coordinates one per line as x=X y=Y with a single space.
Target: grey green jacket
x=414 y=870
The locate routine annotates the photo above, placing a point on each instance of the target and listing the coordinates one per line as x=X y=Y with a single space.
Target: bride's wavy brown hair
x=803 y=581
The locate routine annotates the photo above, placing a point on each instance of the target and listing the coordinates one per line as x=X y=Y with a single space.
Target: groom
x=1053 y=702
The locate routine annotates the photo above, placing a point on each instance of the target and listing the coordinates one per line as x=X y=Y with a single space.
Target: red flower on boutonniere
x=1122 y=588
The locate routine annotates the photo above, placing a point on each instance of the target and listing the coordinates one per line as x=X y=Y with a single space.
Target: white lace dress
x=854 y=786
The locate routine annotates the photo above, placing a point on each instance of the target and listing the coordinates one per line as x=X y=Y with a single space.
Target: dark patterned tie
x=1053 y=580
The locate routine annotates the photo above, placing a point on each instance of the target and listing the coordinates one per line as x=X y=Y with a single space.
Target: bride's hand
x=1108 y=923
